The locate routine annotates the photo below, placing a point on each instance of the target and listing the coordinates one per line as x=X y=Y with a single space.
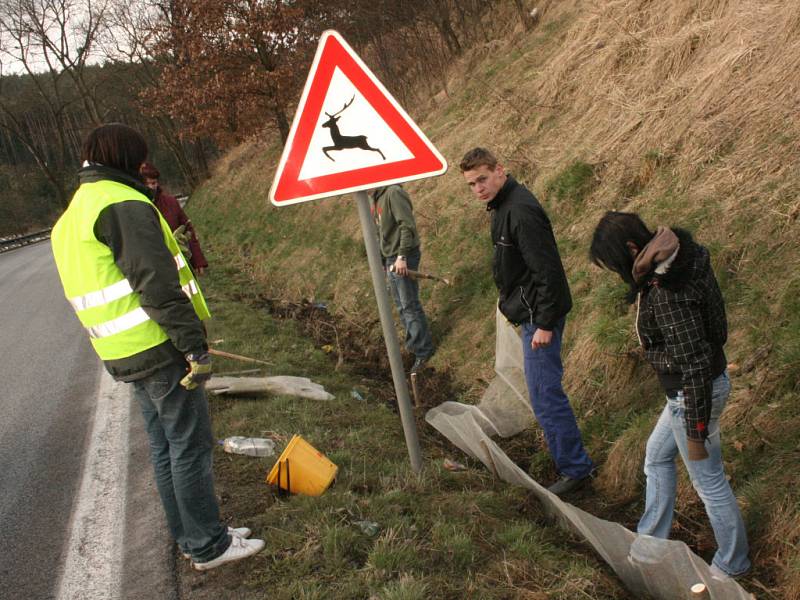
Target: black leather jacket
x=527 y=268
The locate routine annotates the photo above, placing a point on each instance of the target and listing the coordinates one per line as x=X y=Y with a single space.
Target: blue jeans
x=543 y=373
x=405 y=292
x=708 y=478
x=181 y=444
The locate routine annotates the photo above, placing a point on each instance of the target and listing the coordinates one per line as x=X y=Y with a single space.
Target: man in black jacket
x=534 y=293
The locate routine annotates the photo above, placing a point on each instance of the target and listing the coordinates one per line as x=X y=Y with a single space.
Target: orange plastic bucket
x=302 y=469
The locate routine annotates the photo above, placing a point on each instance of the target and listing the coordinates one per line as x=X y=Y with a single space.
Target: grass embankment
x=682 y=111
x=438 y=534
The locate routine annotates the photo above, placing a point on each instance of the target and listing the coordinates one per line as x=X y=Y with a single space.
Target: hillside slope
x=683 y=111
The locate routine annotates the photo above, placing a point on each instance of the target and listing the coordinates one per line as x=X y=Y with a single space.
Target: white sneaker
x=240 y=548
x=242 y=532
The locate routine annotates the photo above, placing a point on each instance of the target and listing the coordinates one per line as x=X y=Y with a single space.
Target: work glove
x=697 y=449
x=199 y=370
x=182 y=237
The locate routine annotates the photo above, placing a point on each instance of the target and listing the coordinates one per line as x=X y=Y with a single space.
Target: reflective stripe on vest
x=118 y=290
x=118 y=325
x=190 y=289
x=115 y=291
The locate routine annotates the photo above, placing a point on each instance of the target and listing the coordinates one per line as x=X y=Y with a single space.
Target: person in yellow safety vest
x=131 y=288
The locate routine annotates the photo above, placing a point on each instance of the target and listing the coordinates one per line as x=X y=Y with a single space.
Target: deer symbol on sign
x=344 y=142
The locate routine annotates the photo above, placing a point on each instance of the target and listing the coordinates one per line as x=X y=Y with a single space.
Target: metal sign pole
x=389 y=333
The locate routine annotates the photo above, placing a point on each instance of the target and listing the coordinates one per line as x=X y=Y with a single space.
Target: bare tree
x=50 y=157
x=57 y=37
x=51 y=41
x=236 y=66
x=134 y=32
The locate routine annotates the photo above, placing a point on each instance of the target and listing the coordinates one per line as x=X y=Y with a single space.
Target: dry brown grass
x=621 y=478
x=784 y=538
x=613 y=369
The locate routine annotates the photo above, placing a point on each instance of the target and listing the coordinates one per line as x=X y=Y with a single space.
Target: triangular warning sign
x=348 y=133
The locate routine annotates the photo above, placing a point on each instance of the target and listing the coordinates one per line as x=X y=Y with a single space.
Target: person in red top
x=173 y=214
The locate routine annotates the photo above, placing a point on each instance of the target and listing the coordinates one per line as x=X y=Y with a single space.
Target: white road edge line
x=93 y=560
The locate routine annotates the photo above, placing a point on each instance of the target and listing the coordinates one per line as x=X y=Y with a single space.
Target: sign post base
x=389 y=333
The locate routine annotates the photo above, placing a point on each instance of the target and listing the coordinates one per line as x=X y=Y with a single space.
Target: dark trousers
x=543 y=373
x=405 y=292
x=181 y=444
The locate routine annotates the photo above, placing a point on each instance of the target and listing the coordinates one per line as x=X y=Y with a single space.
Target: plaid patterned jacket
x=682 y=327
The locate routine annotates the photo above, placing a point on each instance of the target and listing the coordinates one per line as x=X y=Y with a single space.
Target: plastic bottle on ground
x=249 y=446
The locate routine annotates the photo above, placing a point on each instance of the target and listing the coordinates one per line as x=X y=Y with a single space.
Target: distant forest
x=194 y=76
x=40 y=142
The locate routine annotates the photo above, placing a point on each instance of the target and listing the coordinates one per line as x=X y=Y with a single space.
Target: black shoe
x=566 y=484
x=419 y=364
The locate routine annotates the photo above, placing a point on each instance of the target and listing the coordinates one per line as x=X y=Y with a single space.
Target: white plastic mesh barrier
x=663 y=569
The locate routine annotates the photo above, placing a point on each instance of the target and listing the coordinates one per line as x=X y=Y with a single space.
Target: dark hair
x=149 y=171
x=115 y=145
x=477 y=157
x=609 y=249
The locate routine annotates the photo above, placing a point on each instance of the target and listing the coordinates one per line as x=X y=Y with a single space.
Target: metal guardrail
x=9 y=243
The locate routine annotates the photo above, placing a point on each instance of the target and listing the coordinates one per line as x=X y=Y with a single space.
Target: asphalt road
x=79 y=515
x=48 y=376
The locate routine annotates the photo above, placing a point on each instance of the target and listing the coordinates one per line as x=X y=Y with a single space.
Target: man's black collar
x=95 y=173
x=502 y=193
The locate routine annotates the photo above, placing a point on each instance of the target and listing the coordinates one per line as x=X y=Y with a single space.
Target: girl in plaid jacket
x=681 y=325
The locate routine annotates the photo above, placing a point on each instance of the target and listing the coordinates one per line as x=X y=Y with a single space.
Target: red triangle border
x=333 y=52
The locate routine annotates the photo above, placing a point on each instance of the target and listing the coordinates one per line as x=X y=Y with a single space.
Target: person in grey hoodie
x=400 y=249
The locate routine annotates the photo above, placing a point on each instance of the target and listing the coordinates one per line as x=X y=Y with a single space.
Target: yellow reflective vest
x=102 y=297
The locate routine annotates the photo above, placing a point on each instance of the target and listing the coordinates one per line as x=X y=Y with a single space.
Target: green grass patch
x=380 y=531
x=571 y=187
x=406 y=588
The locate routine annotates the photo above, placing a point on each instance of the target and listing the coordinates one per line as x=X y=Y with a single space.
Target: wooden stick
x=420 y=275
x=244 y=372
x=223 y=354
x=414 y=389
